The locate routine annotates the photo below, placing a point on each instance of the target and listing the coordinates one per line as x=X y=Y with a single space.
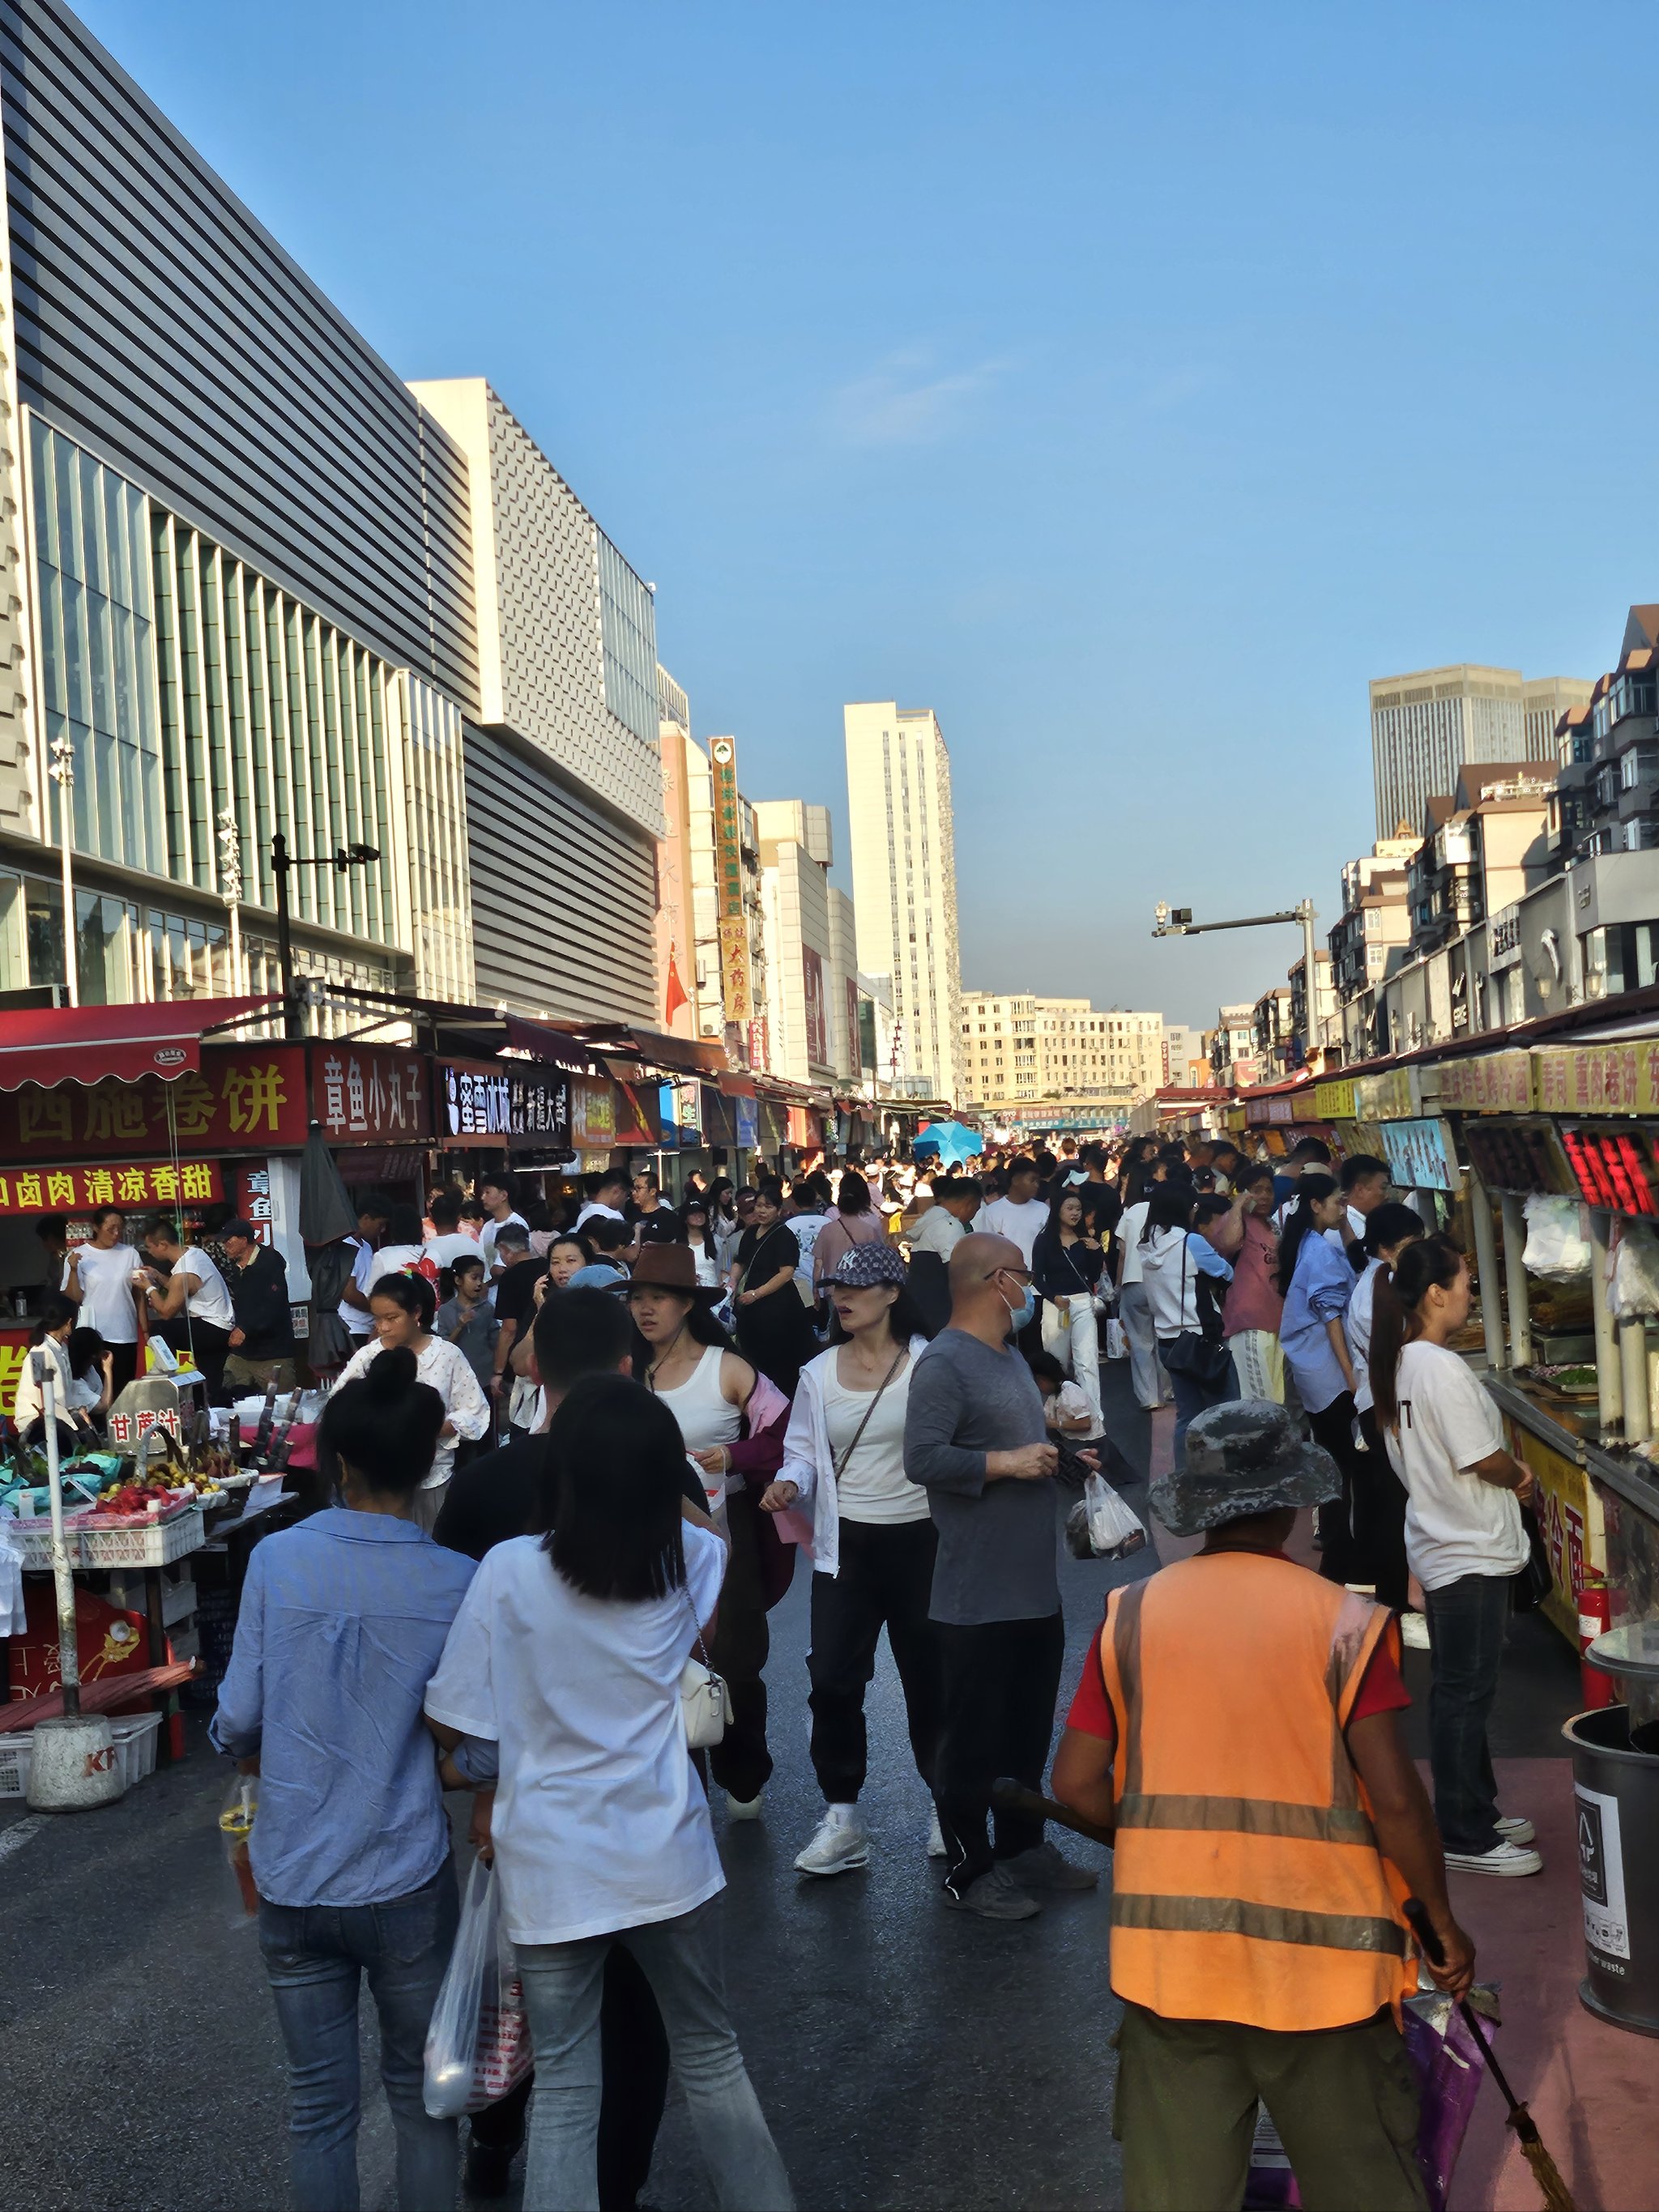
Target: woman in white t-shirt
x=103 y=1279
x=567 y=1656
x=1465 y=1537
x=402 y=1309
x=1152 y=1387
x=873 y=1540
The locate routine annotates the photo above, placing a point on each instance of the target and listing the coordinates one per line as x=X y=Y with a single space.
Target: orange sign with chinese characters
x=244 y=1098
x=1598 y=1079
x=77 y=1190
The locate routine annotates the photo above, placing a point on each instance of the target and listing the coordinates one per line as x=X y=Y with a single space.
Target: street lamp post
x=62 y=772
x=1177 y=921
x=282 y=862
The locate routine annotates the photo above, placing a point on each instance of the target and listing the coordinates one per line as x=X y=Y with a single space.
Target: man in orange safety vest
x=1237 y=1727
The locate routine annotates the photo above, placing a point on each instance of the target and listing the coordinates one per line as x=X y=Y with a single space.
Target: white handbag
x=705 y=1701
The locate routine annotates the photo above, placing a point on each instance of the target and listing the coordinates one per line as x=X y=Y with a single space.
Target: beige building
x=731 y=946
x=1426 y=725
x=1019 y=1051
x=904 y=882
x=801 y=933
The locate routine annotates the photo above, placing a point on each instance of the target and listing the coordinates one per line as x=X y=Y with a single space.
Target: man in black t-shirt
x=653 y=1222
x=515 y=1305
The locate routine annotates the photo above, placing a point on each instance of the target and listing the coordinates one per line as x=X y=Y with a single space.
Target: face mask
x=1021 y=1315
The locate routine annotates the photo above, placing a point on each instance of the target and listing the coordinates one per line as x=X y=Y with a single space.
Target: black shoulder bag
x=1201 y=1359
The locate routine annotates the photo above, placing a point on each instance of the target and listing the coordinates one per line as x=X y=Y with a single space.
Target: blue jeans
x=314 y=1954
x=1191 y=1397
x=680 y=1960
x=1468 y=1620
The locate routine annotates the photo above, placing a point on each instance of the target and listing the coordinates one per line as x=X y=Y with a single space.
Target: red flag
x=675 y=997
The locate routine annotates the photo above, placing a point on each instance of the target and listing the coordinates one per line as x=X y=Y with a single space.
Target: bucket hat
x=671 y=1268
x=1242 y=1457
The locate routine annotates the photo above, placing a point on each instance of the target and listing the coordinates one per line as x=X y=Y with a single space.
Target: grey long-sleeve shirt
x=997 y=1541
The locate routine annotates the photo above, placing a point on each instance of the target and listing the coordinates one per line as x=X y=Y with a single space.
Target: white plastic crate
x=134 y=1737
x=157 y=1545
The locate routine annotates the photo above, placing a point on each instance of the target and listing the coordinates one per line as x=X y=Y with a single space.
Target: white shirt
x=593 y=1206
x=211 y=1303
x=27 y=1407
x=491 y=1230
x=1020 y=1224
x=938 y=1230
x=872 y=1485
x=444 y=1251
x=1357 y=1326
x=392 y=1259
x=1456 y=1524
x=599 y=1820
x=449 y=1371
x=354 y=1319
x=1128 y=1230
x=107 y=1299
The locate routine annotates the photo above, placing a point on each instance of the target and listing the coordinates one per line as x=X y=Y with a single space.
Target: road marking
x=14 y=1839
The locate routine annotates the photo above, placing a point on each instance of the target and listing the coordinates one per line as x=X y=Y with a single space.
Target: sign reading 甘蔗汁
x=136 y=1189
x=247 y=1100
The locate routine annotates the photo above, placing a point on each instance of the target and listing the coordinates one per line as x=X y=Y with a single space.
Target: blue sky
x=1130 y=384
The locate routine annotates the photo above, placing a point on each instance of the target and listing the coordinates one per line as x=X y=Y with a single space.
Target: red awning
x=554 y=1046
x=84 y=1044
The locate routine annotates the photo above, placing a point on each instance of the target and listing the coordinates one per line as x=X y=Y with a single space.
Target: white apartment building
x=802 y=927
x=1186 y=1057
x=1019 y=1050
x=904 y=881
x=1425 y=726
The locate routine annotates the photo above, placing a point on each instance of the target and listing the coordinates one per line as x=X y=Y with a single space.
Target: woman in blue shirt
x=342 y=1625
x=1318 y=1278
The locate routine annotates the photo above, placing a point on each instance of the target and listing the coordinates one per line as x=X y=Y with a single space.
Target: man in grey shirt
x=976 y=1441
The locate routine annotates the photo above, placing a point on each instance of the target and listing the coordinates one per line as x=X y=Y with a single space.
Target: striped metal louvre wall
x=563 y=897
x=158 y=322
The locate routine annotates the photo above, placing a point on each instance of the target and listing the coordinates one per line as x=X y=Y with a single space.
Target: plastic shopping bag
x=1557 y=1247
x=1117 y=1344
x=1101 y=1526
x=478 y=2046
x=1635 y=1287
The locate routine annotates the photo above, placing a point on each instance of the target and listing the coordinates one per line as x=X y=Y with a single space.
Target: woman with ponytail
x=1380 y=1506
x=342 y=1625
x=1317 y=1283
x=1464 y=1537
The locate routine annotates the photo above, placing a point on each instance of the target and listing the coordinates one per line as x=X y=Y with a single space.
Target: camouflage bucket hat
x=1242 y=1457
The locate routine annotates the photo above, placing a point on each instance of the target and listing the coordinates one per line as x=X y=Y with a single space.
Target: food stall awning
x=557 y=1046
x=86 y=1044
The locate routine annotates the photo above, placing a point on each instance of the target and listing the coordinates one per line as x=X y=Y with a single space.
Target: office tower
x=1426 y=725
x=904 y=881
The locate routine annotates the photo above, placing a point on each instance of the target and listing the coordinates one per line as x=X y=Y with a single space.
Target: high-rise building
x=1426 y=725
x=728 y=926
x=1019 y=1050
x=904 y=881
x=796 y=855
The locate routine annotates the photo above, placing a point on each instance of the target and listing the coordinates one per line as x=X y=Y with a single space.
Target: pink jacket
x=1253 y=1299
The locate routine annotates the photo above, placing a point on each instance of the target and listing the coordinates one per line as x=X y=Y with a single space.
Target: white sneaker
x=935 y=1836
x=742 y=1809
x=1414 y=1630
x=1515 y=1828
x=842 y=1843
x=1505 y=1858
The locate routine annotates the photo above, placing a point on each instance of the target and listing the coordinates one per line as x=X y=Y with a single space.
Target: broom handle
x=1014 y=1797
x=1433 y=1951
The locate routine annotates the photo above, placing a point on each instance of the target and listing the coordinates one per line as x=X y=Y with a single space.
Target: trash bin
x=1616 y=1792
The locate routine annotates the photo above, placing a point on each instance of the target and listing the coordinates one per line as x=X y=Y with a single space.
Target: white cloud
x=901 y=401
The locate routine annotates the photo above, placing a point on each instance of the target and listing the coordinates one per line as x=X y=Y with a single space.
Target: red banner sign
x=246 y=1098
x=369 y=1096
x=153 y=1189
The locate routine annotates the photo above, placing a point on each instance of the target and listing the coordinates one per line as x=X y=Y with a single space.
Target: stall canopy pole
x=68 y=1660
x=1633 y=1378
x=1486 y=1258
x=1609 y=1392
x=1515 y=1281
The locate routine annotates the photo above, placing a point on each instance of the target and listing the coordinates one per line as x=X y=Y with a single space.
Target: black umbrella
x=326 y=1212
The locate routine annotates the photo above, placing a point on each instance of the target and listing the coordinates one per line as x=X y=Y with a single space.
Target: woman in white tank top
x=731 y=1420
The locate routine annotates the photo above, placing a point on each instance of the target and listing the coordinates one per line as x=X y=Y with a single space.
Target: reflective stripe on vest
x=1248 y=1883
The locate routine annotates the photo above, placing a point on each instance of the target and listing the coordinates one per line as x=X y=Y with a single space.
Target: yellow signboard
x=1487 y=1082
x=1569 y=1514
x=1388 y=1097
x=1597 y=1079
x=735 y=993
x=1334 y=1102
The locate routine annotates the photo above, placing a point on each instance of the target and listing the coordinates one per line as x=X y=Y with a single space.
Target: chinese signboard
x=369 y=1096
x=733 y=922
x=1334 y=1102
x=251 y=1099
x=1388 y=1097
x=1598 y=1079
x=1570 y=1517
x=675 y=958
x=150 y=1189
x=1418 y=1154
x=593 y=1115
x=818 y=1024
x=1489 y=1083
x=680 y=1106
x=499 y=1102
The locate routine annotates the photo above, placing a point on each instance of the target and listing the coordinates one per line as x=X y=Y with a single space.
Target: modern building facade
x=803 y=985
x=904 y=881
x=1019 y=1050
x=728 y=919
x=1425 y=726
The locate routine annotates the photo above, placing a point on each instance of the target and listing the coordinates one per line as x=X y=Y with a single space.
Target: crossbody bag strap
x=840 y=1466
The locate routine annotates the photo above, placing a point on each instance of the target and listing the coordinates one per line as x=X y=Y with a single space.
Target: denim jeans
x=314 y=1954
x=1192 y=1396
x=681 y=1960
x=1467 y=1622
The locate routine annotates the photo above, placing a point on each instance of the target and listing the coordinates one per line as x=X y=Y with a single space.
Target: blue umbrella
x=953 y=1142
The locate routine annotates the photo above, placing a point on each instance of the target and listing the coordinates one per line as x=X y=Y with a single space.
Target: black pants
x=211 y=1346
x=634 y=2076
x=1001 y=1678
x=123 y=1368
x=1340 y=1559
x=885 y=1579
x=1468 y=1620
x=740 y=1762
x=1380 y=1518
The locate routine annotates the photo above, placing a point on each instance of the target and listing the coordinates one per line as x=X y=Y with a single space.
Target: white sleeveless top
x=705 y=1417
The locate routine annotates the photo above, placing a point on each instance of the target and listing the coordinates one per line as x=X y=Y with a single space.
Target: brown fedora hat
x=670 y=1267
